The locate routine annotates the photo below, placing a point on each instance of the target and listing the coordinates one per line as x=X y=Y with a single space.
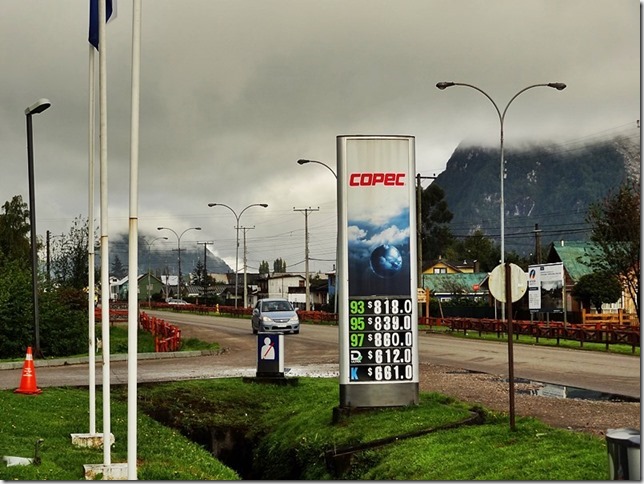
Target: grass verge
x=531 y=340
x=58 y=412
x=288 y=433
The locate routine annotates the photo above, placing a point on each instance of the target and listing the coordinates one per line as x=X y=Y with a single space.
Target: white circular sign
x=518 y=283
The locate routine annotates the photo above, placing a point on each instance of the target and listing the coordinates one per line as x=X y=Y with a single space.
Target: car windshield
x=273 y=306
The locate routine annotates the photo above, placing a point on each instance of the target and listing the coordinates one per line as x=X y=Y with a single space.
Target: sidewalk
x=79 y=360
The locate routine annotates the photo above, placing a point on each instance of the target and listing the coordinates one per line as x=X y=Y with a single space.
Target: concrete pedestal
x=89 y=440
x=109 y=472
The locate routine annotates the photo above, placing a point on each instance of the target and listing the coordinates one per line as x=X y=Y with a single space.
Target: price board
x=376 y=271
x=381 y=339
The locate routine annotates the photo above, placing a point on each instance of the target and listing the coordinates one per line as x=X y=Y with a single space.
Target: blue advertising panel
x=377 y=269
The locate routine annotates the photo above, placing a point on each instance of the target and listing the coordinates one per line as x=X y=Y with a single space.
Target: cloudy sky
x=234 y=92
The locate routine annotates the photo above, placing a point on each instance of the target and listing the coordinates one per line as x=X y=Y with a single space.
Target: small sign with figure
x=270 y=356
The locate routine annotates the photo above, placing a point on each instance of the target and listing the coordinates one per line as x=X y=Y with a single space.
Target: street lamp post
x=36 y=108
x=149 y=250
x=237 y=217
x=304 y=162
x=335 y=295
x=555 y=85
x=179 y=251
x=558 y=86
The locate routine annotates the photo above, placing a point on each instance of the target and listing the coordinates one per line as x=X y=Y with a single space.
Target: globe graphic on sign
x=386 y=260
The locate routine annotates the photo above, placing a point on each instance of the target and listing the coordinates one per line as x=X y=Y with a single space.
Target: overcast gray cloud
x=235 y=91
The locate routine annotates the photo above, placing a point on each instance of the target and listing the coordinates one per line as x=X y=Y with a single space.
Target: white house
x=278 y=285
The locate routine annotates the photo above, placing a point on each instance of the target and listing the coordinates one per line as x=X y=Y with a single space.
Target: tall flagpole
x=105 y=267
x=90 y=246
x=133 y=313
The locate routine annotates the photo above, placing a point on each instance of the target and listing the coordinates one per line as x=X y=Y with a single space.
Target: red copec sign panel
x=375 y=179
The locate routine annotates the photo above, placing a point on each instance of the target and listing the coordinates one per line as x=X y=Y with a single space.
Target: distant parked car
x=275 y=315
x=179 y=302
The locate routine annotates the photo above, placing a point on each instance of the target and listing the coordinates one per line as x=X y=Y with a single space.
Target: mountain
x=163 y=258
x=550 y=185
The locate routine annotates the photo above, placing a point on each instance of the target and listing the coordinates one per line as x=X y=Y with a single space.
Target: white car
x=275 y=315
x=180 y=302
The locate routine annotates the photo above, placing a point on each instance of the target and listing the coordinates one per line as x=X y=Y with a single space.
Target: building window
x=440 y=270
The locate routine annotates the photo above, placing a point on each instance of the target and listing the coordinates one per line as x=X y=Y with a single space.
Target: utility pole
x=245 y=281
x=205 y=264
x=48 y=257
x=306 y=251
x=419 y=226
x=537 y=244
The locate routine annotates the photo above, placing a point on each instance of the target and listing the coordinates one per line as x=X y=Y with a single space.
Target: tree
x=436 y=234
x=615 y=228
x=70 y=258
x=15 y=243
x=200 y=276
x=263 y=267
x=63 y=316
x=477 y=247
x=597 y=288
x=279 y=266
x=63 y=310
x=117 y=269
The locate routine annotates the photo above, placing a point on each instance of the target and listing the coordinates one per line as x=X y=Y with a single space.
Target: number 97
x=356 y=339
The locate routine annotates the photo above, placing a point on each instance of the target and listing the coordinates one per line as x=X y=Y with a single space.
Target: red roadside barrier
x=166 y=336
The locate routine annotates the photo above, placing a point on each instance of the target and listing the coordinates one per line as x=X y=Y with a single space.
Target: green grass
x=291 y=430
x=494 y=452
x=145 y=341
x=58 y=412
x=531 y=340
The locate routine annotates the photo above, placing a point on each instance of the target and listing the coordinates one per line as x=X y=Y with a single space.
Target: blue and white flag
x=93 y=19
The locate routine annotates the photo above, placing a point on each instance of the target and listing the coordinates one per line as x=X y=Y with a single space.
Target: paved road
x=315 y=351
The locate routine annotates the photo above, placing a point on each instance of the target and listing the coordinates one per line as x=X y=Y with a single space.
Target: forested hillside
x=550 y=185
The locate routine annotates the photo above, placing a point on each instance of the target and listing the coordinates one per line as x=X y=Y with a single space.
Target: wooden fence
x=604 y=333
x=610 y=319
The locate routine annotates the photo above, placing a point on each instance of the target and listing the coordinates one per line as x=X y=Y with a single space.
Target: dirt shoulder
x=491 y=391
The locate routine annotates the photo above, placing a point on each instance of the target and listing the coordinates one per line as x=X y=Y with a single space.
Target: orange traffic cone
x=28 y=380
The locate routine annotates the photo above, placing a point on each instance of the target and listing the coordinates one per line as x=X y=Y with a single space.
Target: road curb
x=82 y=360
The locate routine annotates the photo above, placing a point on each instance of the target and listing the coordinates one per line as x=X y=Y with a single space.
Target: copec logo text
x=376 y=179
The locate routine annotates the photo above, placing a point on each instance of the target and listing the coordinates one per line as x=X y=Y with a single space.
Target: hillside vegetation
x=547 y=184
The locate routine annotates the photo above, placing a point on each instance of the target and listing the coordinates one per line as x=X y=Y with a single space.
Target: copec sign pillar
x=377 y=304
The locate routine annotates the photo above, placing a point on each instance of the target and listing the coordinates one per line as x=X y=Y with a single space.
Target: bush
x=62 y=321
x=16 y=319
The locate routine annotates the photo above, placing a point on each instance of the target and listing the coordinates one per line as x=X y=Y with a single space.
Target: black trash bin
x=623 y=447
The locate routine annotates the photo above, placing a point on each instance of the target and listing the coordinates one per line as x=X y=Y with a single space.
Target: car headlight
x=266 y=319
x=294 y=319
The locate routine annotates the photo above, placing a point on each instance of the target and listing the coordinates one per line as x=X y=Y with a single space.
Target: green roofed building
x=576 y=257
